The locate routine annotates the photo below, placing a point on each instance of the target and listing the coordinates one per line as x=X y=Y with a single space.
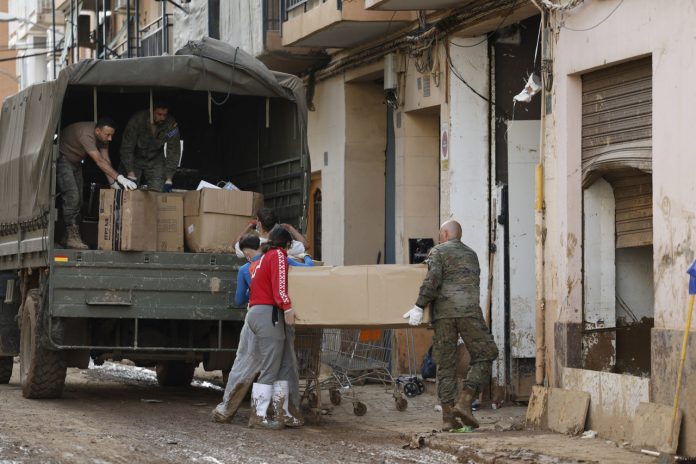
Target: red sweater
x=269 y=280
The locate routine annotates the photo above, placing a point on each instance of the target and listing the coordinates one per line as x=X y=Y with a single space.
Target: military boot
x=448 y=420
x=462 y=409
x=73 y=240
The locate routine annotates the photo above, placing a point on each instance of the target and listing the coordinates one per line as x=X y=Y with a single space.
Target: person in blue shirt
x=250 y=245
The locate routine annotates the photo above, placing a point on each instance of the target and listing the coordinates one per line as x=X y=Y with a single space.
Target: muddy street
x=118 y=414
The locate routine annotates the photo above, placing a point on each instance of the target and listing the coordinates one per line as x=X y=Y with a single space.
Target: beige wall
x=664 y=31
x=366 y=140
x=622 y=37
x=8 y=73
x=417 y=178
x=326 y=134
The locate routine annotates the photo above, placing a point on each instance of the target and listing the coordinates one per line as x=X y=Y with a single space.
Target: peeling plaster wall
x=614 y=399
x=464 y=187
x=663 y=30
x=190 y=26
x=241 y=24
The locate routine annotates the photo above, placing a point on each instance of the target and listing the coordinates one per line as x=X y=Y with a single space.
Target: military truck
x=61 y=308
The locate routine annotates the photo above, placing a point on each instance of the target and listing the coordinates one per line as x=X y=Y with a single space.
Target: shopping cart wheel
x=335 y=397
x=401 y=403
x=359 y=409
x=411 y=390
x=421 y=386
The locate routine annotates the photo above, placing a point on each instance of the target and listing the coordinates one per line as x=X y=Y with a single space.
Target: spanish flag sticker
x=60 y=259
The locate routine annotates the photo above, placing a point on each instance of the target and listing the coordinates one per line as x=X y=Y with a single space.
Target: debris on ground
x=589 y=434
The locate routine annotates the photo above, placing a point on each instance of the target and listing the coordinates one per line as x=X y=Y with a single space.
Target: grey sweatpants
x=277 y=362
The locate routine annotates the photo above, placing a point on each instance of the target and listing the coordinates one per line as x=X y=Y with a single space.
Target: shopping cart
x=308 y=344
x=355 y=358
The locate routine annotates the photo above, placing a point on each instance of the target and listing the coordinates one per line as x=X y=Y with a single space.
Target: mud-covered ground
x=117 y=413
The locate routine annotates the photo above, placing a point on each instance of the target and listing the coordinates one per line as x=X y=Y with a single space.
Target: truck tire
x=174 y=373
x=5 y=369
x=42 y=371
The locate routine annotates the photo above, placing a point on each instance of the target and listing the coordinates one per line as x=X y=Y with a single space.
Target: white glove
x=126 y=183
x=114 y=185
x=414 y=315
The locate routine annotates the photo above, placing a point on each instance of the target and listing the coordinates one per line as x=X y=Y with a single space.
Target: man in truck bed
x=142 y=148
x=76 y=142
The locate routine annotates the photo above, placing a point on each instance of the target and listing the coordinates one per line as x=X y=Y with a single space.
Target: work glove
x=114 y=185
x=289 y=316
x=127 y=184
x=414 y=315
x=167 y=186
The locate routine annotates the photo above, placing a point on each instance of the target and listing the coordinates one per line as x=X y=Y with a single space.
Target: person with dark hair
x=250 y=245
x=248 y=361
x=76 y=142
x=266 y=219
x=142 y=148
x=271 y=319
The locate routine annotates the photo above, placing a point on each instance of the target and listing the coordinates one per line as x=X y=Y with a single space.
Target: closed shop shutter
x=617 y=119
x=633 y=198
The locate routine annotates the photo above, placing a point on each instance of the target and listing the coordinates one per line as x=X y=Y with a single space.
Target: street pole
x=54 y=47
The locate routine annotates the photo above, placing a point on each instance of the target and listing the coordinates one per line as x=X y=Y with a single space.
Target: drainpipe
x=539 y=233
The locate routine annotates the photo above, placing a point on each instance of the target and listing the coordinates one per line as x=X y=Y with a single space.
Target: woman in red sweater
x=271 y=319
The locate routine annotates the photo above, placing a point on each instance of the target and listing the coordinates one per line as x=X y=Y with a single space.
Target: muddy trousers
x=277 y=362
x=245 y=368
x=479 y=342
x=69 y=185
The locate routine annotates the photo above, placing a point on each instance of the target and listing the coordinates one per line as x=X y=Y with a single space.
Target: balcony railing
x=155 y=38
x=292 y=4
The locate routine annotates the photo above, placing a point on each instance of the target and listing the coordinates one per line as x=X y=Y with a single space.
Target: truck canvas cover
x=29 y=119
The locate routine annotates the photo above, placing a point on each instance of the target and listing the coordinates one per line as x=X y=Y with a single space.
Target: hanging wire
x=490 y=34
x=596 y=25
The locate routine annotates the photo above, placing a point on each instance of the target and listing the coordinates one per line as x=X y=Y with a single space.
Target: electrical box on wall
x=390 y=77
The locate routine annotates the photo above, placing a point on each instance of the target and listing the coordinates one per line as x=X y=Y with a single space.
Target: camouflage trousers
x=150 y=171
x=69 y=185
x=479 y=342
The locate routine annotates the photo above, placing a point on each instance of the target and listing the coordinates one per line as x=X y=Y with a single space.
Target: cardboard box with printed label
x=355 y=296
x=127 y=220
x=170 y=222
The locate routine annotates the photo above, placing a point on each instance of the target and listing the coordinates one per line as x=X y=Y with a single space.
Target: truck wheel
x=42 y=371
x=5 y=369
x=174 y=373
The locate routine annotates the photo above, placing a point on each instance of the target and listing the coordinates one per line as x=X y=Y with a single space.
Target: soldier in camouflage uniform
x=452 y=288
x=142 y=153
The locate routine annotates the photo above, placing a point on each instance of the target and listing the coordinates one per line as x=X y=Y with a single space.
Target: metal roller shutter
x=617 y=143
x=633 y=196
x=617 y=119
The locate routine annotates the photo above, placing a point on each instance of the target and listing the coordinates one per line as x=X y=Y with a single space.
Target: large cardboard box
x=213 y=233
x=222 y=201
x=127 y=220
x=355 y=296
x=170 y=222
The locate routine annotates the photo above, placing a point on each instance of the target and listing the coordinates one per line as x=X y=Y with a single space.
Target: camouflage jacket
x=142 y=145
x=452 y=282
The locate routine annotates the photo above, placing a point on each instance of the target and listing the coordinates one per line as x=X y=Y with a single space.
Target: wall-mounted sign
x=444 y=146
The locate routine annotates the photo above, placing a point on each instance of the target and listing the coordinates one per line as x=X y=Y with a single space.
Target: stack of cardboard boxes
x=206 y=220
